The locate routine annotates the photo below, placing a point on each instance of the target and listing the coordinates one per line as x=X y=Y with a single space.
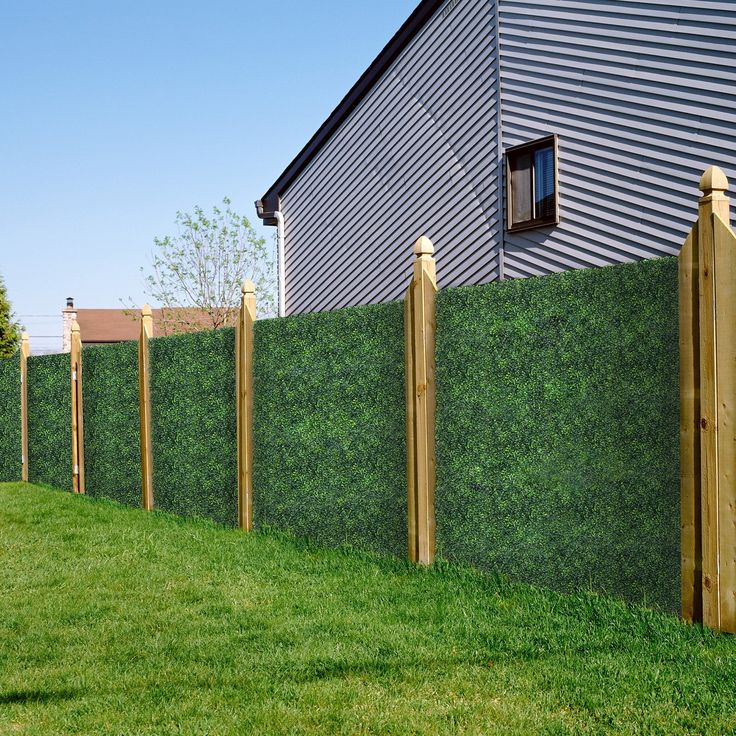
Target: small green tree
x=202 y=267
x=9 y=328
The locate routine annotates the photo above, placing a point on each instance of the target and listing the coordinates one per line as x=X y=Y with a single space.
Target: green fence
x=112 y=459
x=558 y=429
x=193 y=424
x=11 y=464
x=329 y=421
x=49 y=421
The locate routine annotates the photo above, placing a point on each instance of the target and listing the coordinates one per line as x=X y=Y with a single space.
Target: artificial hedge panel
x=50 y=420
x=193 y=425
x=558 y=430
x=112 y=460
x=11 y=463
x=329 y=425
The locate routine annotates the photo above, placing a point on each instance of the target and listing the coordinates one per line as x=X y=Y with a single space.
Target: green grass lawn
x=113 y=621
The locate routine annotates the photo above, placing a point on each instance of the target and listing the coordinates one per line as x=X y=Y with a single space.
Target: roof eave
x=270 y=202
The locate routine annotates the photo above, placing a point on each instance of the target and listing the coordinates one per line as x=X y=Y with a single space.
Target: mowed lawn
x=113 y=621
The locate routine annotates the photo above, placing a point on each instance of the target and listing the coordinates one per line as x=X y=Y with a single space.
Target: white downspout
x=281 y=266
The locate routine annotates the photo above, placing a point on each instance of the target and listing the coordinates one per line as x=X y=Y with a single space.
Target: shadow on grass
x=36 y=696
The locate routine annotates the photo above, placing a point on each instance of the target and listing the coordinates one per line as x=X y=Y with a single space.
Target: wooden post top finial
x=248 y=287
x=423 y=247
x=713 y=180
x=75 y=326
x=146 y=311
x=24 y=337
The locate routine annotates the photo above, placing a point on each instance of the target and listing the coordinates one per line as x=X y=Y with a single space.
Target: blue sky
x=116 y=115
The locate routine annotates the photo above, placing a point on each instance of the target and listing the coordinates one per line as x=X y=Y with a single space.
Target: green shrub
x=112 y=459
x=329 y=424
x=193 y=425
x=558 y=429
x=11 y=464
x=50 y=420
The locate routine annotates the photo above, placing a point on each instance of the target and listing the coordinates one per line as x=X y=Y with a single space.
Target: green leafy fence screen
x=11 y=464
x=50 y=420
x=112 y=459
x=329 y=419
x=558 y=429
x=193 y=424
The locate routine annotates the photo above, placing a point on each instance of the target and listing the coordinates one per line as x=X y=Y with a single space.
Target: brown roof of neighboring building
x=119 y=325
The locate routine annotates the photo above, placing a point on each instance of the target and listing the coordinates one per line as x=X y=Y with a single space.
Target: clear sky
x=116 y=115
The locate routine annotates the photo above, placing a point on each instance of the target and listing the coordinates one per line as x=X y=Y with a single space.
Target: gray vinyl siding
x=641 y=94
x=643 y=97
x=418 y=156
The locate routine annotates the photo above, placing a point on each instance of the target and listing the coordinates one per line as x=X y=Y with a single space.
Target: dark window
x=531 y=184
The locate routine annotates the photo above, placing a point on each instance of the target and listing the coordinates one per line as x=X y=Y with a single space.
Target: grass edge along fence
x=706 y=268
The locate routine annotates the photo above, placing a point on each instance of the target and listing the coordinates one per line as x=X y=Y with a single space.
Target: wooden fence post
x=419 y=332
x=144 y=397
x=725 y=288
x=708 y=410
x=25 y=351
x=690 y=524
x=244 y=389
x=77 y=411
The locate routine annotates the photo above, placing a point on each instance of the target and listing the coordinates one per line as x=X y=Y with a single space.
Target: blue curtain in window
x=544 y=183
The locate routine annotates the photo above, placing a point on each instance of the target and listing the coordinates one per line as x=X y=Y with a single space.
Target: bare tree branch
x=201 y=268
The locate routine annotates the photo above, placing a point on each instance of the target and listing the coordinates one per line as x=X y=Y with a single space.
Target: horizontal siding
x=418 y=156
x=643 y=97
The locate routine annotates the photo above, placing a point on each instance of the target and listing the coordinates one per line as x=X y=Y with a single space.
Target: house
x=108 y=326
x=523 y=137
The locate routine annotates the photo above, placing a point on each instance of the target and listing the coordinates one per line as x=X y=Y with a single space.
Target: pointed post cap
x=75 y=326
x=713 y=180
x=248 y=287
x=423 y=247
x=146 y=311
